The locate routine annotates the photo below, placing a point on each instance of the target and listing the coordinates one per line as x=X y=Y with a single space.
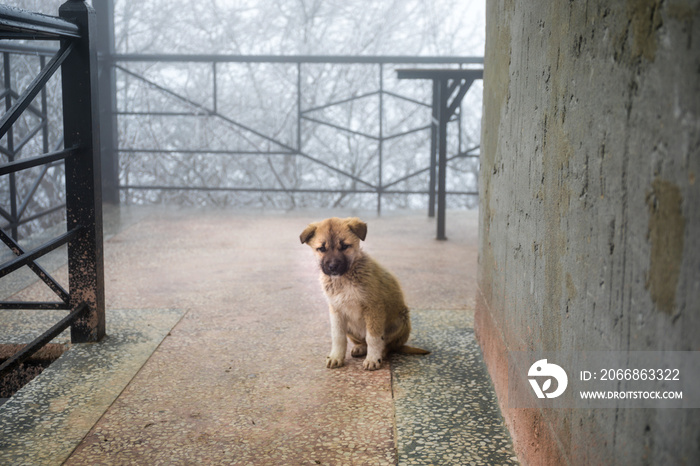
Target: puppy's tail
x=405 y=349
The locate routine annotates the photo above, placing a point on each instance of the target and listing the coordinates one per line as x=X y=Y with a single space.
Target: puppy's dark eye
x=321 y=249
x=344 y=246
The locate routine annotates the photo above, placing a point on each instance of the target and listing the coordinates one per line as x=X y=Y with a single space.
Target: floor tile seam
x=477 y=349
x=131 y=373
x=135 y=374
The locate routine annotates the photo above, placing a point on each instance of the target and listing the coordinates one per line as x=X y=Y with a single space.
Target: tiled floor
x=239 y=377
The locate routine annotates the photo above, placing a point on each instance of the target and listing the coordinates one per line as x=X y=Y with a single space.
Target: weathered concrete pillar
x=590 y=208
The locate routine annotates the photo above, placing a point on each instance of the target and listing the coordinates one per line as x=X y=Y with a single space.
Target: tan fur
x=365 y=300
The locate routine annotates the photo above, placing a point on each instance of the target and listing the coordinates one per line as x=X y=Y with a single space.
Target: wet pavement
x=217 y=338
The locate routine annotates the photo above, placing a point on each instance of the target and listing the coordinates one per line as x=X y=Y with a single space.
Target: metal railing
x=323 y=175
x=20 y=211
x=76 y=58
x=296 y=138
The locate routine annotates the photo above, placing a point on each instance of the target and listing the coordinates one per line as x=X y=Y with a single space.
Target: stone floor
x=217 y=337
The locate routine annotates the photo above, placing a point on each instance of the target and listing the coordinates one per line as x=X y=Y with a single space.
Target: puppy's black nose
x=334 y=266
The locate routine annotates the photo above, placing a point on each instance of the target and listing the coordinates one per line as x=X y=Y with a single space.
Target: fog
x=267 y=135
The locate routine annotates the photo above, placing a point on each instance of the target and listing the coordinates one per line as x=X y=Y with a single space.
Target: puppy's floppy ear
x=358 y=227
x=308 y=233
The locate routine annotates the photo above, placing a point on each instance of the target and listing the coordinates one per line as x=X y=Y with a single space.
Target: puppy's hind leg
x=360 y=348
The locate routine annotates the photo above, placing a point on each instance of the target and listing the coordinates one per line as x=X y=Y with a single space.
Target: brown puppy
x=366 y=301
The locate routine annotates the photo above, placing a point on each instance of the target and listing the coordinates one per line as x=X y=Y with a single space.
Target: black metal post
x=109 y=135
x=83 y=175
x=10 y=147
x=443 y=117
x=433 y=151
x=459 y=122
x=44 y=112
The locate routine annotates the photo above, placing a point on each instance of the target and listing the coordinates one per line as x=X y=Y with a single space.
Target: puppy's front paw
x=333 y=361
x=371 y=364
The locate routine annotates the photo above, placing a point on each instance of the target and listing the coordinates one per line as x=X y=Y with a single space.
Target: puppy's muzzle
x=336 y=265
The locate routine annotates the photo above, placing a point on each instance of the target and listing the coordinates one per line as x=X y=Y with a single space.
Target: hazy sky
x=279 y=27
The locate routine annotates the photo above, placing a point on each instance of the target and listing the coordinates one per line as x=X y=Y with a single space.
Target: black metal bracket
x=449 y=88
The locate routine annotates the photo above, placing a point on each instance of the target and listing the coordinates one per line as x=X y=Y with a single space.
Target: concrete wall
x=590 y=208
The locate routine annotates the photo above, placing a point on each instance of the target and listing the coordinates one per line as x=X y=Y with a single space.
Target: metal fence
x=76 y=58
x=396 y=119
